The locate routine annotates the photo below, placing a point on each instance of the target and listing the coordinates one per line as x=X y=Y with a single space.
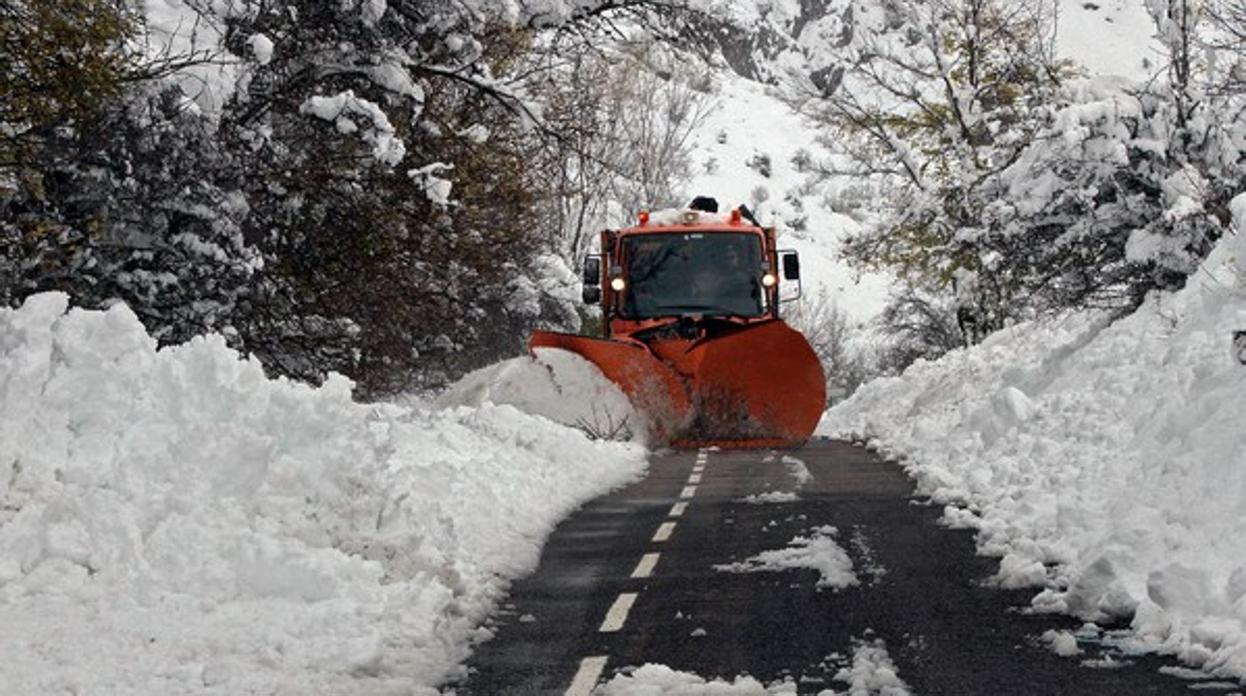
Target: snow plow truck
x=691 y=330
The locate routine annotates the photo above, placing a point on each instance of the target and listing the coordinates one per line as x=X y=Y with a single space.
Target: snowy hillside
x=1105 y=463
x=173 y=522
x=750 y=150
x=1112 y=37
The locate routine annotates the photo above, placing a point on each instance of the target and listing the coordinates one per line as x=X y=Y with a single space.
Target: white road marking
x=694 y=477
x=645 y=568
x=664 y=531
x=586 y=677
x=688 y=492
x=698 y=468
x=677 y=510
x=617 y=616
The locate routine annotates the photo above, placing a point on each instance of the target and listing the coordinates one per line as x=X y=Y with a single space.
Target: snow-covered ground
x=171 y=521
x=1105 y=463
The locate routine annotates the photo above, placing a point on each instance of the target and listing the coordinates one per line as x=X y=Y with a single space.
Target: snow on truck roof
x=676 y=217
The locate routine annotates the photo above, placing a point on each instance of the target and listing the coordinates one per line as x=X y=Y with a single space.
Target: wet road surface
x=630 y=579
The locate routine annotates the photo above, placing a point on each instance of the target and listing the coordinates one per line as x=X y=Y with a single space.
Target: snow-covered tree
x=935 y=99
x=396 y=181
x=622 y=121
x=111 y=187
x=1015 y=187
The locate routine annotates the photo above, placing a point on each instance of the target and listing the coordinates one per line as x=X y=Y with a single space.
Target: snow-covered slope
x=1109 y=37
x=1105 y=463
x=173 y=522
x=747 y=147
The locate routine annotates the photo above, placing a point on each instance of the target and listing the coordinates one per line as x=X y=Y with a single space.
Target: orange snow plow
x=691 y=330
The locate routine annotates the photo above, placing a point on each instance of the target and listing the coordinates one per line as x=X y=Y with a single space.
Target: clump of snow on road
x=797 y=470
x=172 y=521
x=660 y=680
x=1062 y=643
x=770 y=497
x=872 y=672
x=1104 y=462
x=818 y=551
x=556 y=384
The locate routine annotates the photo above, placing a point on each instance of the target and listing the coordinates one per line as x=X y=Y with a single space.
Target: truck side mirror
x=591 y=294
x=591 y=275
x=791 y=266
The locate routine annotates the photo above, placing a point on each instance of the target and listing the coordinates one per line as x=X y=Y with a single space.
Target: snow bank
x=1105 y=463
x=171 y=521
x=556 y=384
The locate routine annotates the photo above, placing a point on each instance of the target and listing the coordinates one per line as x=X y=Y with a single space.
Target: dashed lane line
x=586 y=677
x=617 y=615
x=664 y=531
x=591 y=668
x=647 y=563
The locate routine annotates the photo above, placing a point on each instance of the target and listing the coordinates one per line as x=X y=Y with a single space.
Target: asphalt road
x=638 y=566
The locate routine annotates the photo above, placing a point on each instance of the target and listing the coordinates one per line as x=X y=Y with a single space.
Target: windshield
x=716 y=273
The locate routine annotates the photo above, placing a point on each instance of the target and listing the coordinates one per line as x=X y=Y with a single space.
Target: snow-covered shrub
x=137 y=203
x=60 y=61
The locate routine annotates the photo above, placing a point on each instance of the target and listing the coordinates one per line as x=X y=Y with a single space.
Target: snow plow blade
x=743 y=387
x=657 y=392
x=759 y=386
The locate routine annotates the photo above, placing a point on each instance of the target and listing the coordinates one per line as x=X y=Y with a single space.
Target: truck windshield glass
x=710 y=274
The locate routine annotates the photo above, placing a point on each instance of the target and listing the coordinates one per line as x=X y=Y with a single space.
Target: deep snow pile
x=556 y=384
x=172 y=521
x=1104 y=462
